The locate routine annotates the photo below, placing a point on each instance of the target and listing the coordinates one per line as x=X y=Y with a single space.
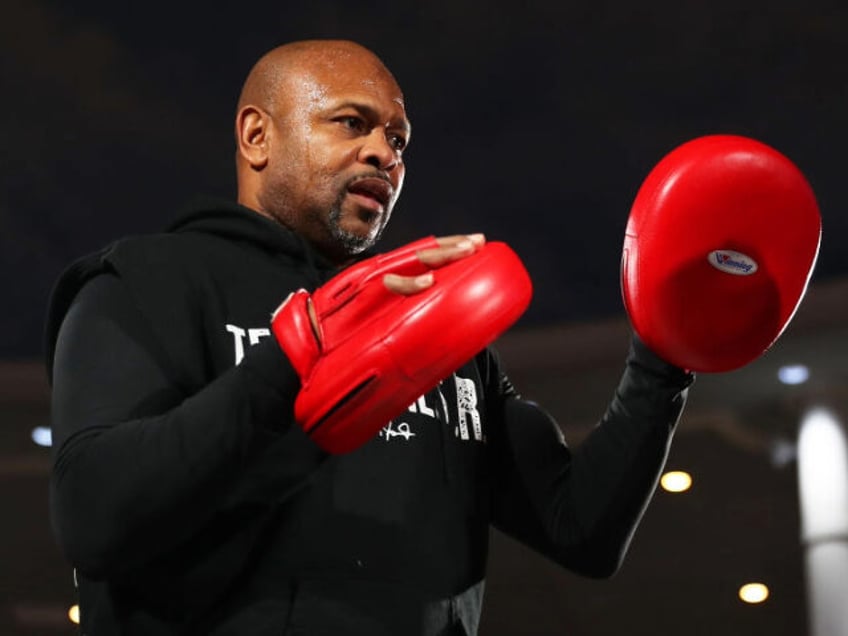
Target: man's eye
x=398 y=142
x=352 y=122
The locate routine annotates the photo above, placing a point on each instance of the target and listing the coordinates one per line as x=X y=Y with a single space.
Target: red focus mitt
x=719 y=248
x=377 y=351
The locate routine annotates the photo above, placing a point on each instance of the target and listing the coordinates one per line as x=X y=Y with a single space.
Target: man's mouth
x=372 y=192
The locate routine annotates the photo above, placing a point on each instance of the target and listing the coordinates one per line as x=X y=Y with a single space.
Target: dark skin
x=321 y=128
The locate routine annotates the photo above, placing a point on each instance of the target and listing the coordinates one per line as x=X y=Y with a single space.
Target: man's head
x=320 y=131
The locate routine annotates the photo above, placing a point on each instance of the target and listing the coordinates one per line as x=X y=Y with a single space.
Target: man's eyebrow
x=372 y=113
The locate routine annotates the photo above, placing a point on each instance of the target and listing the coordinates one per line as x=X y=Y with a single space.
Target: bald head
x=290 y=61
x=320 y=130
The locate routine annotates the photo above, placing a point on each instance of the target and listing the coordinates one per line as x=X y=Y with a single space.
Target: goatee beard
x=351 y=243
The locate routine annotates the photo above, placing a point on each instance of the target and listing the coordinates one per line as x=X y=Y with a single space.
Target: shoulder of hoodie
x=163 y=261
x=164 y=254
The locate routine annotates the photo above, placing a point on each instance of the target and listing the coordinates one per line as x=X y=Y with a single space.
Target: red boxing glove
x=719 y=248
x=377 y=350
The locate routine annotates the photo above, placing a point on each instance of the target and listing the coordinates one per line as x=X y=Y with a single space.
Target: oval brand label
x=732 y=262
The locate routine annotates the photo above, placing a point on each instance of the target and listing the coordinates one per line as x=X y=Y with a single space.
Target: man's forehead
x=365 y=75
x=377 y=90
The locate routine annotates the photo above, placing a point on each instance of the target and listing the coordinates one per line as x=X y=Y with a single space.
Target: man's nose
x=378 y=152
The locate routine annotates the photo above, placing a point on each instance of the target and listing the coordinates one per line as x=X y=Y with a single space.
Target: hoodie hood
x=235 y=222
x=176 y=250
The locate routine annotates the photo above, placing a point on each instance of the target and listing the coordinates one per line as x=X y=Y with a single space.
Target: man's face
x=335 y=169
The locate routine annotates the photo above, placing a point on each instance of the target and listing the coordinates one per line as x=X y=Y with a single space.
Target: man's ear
x=252 y=132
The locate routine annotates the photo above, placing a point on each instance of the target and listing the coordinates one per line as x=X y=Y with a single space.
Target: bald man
x=187 y=495
x=322 y=126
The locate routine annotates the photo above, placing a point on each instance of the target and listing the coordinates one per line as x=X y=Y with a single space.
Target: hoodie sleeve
x=139 y=467
x=581 y=507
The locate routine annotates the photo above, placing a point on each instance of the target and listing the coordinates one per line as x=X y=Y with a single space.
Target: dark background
x=533 y=122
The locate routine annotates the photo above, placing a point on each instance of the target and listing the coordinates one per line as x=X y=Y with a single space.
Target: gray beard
x=351 y=243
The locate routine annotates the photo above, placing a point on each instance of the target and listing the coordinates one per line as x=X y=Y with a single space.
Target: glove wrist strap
x=293 y=330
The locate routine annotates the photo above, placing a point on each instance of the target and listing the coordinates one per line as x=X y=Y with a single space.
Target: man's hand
x=451 y=248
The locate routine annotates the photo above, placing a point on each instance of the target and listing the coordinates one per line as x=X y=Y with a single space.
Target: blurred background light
x=793 y=374
x=42 y=436
x=823 y=452
x=782 y=452
x=676 y=481
x=753 y=592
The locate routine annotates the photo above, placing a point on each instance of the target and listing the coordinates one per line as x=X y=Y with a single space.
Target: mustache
x=377 y=174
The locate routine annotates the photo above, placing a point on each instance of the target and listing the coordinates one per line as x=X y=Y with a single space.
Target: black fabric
x=190 y=502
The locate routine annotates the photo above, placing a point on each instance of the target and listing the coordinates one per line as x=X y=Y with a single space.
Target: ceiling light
x=42 y=436
x=73 y=614
x=676 y=481
x=754 y=592
x=793 y=374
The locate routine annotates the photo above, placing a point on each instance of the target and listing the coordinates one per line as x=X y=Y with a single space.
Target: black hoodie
x=190 y=502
